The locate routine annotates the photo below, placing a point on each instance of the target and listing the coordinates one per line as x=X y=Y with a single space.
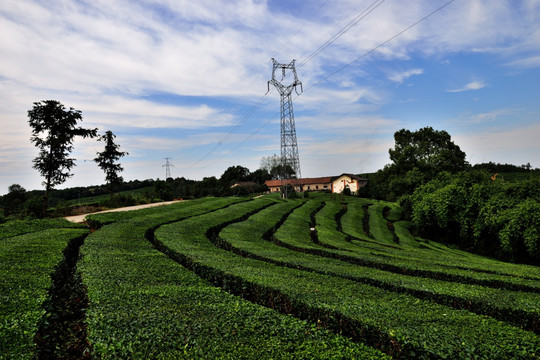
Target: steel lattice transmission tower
x=167 y=168
x=289 y=146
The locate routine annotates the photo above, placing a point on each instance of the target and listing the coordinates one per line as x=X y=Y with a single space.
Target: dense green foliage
x=143 y=305
x=20 y=227
x=14 y=200
x=489 y=216
x=489 y=208
x=428 y=150
x=26 y=263
x=417 y=157
x=337 y=277
x=53 y=131
x=396 y=317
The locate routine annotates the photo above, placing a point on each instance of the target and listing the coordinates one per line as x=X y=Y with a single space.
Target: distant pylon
x=289 y=146
x=167 y=168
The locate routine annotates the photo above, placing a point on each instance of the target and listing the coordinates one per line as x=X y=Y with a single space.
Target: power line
x=248 y=138
x=375 y=4
x=346 y=28
x=380 y=45
x=375 y=48
x=306 y=21
x=248 y=114
x=261 y=100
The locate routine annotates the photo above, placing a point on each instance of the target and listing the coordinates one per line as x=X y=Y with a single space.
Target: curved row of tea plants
x=20 y=227
x=425 y=252
x=144 y=305
x=386 y=215
x=250 y=238
x=424 y=263
x=396 y=323
x=26 y=264
x=437 y=254
x=428 y=252
x=466 y=268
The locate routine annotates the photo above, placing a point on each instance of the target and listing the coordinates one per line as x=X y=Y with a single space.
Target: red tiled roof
x=304 y=181
x=271 y=183
x=311 y=181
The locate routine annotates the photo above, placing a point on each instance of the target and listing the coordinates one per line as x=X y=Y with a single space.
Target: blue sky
x=187 y=80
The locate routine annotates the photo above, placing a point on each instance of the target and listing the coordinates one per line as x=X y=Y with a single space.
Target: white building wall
x=341 y=182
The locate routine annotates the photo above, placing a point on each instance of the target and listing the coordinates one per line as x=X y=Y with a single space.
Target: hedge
x=143 y=305
x=398 y=324
x=26 y=264
x=250 y=237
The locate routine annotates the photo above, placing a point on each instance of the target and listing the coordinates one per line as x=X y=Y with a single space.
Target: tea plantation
x=325 y=277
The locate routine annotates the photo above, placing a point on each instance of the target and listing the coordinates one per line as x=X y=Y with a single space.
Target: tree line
x=444 y=197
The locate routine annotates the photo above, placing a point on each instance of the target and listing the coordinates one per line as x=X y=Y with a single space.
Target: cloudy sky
x=187 y=80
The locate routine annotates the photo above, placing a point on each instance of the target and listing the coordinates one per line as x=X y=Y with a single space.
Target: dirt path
x=81 y=218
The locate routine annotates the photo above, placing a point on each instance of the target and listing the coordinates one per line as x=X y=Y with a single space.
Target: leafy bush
x=521 y=230
x=143 y=305
x=19 y=227
x=250 y=238
x=472 y=210
x=398 y=324
x=26 y=262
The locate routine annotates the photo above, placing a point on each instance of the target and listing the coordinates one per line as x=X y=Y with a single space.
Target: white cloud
x=473 y=85
x=402 y=76
x=107 y=58
x=528 y=62
x=360 y=126
x=126 y=112
x=339 y=100
x=492 y=115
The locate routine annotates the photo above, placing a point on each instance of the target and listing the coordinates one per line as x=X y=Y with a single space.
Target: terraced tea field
x=235 y=278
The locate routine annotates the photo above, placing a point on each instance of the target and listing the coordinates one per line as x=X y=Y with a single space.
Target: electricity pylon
x=289 y=146
x=167 y=168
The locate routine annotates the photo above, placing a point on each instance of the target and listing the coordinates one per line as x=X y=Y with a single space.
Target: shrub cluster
x=397 y=323
x=250 y=238
x=309 y=258
x=26 y=262
x=488 y=216
x=143 y=305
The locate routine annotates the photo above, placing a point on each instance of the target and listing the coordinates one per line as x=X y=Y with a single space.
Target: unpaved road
x=81 y=218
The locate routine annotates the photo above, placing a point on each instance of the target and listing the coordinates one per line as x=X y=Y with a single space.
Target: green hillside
x=323 y=277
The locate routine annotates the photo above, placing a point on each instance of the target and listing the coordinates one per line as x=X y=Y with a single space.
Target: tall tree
x=274 y=166
x=417 y=157
x=107 y=160
x=53 y=131
x=427 y=149
x=260 y=176
x=14 y=200
x=234 y=174
x=270 y=162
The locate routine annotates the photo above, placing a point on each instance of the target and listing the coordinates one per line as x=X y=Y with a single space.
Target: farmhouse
x=334 y=184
